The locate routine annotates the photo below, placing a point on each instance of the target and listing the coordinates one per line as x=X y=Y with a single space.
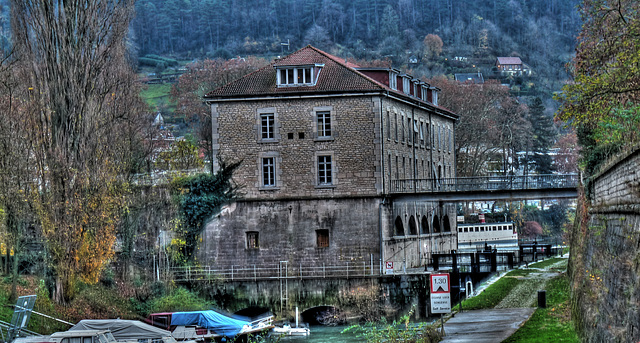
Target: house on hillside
x=323 y=144
x=512 y=66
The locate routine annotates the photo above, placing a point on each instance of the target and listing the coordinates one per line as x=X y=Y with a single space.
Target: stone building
x=322 y=144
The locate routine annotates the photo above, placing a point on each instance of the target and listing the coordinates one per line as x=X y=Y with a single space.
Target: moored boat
x=287 y=330
x=209 y=325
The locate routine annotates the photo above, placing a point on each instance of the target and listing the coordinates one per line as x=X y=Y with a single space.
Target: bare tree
x=81 y=83
x=16 y=161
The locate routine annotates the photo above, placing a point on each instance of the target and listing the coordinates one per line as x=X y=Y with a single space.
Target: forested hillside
x=542 y=32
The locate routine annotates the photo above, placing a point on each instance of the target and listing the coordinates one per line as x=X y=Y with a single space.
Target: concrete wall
x=605 y=256
x=288 y=232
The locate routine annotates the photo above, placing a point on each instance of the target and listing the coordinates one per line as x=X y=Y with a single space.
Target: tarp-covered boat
x=125 y=330
x=208 y=324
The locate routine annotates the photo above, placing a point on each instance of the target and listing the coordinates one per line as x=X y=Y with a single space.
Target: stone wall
x=416 y=230
x=354 y=297
x=605 y=255
x=353 y=146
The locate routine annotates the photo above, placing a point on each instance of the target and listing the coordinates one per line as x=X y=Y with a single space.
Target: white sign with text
x=440 y=293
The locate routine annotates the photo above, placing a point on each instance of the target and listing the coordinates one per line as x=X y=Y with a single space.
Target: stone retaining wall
x=605 y=256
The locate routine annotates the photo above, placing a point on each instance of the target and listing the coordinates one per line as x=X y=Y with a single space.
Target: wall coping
x=613 y=162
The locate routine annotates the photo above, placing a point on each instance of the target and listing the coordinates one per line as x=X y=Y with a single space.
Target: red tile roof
x=509 y=60
x=336 y=76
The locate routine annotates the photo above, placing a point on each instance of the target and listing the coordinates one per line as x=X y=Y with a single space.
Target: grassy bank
x=551 y=324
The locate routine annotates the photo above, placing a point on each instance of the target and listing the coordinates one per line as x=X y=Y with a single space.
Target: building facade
x=321 y=143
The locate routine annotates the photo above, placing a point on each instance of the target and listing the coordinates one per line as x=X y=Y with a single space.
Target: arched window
x=446 y=223
x=425 y=225
x=436 y=224
x=413 y=227
x=398 y=227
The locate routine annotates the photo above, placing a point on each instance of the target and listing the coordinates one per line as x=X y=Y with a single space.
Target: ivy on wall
x=199 y=197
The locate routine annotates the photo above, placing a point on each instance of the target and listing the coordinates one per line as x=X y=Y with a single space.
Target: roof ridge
x=344 y=65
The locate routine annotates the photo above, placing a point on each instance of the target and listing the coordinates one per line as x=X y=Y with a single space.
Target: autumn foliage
x=84 y=115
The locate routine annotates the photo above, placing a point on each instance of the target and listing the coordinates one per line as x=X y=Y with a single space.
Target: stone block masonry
x=605 y=259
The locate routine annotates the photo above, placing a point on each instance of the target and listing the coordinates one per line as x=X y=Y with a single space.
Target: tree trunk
x=14 y=277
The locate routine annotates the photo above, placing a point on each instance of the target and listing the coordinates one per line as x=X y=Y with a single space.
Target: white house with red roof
x=322 y=144
x=512 y=66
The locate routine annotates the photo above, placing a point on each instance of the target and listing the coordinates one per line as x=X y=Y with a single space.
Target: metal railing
x=261 y=272
x=486 y=183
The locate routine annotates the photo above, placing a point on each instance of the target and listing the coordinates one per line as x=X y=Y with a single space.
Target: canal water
x=324 y=334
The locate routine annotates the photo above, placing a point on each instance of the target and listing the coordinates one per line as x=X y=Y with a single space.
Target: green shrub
x=179 y=300
x=402 y=331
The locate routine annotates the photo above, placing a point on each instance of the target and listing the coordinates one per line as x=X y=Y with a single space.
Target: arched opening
x=413 y=226
x=424 y=225
x=436 y=224
x=398 y=227
x=446 y=223
x=322 y=315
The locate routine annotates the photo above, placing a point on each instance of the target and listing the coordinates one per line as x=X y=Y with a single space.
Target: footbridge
x=509 y=187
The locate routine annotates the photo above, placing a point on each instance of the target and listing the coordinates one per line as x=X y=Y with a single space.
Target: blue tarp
x=217 y=322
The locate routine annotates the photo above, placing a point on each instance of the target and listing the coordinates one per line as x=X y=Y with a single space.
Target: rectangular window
x=267 y=121
x=397 y=169
x=402 y=120
x=427 y=137
x=388 y=125
x=322 y=237
x=324 y=170
x=286 y=76
x=295 y=76
x=268 y=172
x=422 y=133
x=252 y=240
x=324 y=124
x=395 y=125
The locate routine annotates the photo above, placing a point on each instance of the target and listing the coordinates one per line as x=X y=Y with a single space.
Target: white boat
x=287 y=330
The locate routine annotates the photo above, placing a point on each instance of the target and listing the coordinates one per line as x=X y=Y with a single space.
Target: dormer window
x=298 y=75
x=423 y=94
x=393 y=80
x=406 y=85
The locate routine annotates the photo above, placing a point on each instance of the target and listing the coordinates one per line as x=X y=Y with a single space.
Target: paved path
x=485 y=326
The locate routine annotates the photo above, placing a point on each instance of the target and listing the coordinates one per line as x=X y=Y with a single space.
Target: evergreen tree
x=543 y=136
